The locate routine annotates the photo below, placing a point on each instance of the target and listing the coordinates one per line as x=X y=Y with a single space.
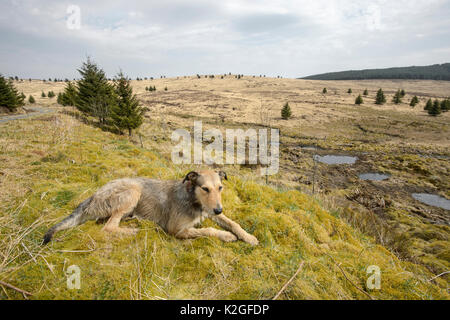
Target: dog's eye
x=206 y=189
x=220 y=188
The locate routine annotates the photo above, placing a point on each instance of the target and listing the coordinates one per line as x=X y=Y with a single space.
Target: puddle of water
x=432 y=200
x=330 y=159
x=310 y=148
x=436 y=156
x=374 y=176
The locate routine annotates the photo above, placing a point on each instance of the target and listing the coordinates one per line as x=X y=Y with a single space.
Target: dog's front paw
x=251 y=240
x=228 y=237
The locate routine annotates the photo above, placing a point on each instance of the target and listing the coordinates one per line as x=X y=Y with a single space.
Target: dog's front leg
x=235 y=228
x=192 y=233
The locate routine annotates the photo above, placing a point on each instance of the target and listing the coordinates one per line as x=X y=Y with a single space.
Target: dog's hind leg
x=192 y=233
x=124 y=203
x=101 y=220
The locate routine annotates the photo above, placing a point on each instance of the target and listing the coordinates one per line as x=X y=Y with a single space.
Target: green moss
x=62 y=198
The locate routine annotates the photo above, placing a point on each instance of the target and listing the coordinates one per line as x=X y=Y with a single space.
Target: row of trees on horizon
x=433 y=72
x=210 y=76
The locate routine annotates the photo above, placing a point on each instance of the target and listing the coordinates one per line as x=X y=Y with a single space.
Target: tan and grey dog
x=176 y=206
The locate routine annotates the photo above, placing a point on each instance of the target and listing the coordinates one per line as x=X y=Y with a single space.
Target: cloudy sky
x=42 y=39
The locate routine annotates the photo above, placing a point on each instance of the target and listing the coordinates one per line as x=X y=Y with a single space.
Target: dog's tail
x=77 y=217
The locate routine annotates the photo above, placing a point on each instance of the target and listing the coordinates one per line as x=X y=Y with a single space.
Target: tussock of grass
x=292 y=227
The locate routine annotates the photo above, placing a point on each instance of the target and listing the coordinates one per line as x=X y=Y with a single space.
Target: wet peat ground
x=376 y=196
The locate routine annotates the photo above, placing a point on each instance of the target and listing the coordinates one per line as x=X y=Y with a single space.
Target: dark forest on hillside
x=434 y=72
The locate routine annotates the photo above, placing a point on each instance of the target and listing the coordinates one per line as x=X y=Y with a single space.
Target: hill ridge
x=431 y=72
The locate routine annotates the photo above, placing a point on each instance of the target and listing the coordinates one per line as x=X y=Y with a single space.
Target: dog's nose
x=218 y=210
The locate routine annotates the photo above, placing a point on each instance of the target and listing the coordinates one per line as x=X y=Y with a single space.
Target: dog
x=176 y=206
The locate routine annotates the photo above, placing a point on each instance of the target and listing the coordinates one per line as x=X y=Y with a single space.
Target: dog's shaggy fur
x=176 y=206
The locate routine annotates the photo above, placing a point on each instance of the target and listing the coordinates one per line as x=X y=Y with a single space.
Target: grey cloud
x=264 y=23
x=289 y=38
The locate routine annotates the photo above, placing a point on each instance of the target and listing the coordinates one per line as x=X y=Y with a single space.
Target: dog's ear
x=223 y=175
x=191 y=176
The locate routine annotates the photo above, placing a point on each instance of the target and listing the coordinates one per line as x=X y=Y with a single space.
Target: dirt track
x=36 y=111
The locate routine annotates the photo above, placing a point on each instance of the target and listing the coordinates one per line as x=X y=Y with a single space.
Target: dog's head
x=207 y=187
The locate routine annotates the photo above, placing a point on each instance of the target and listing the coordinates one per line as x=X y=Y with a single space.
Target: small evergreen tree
x=429 y=105
x=349 y=91
x=31 y=99
x=359 y=100
x=402 y=93
x=414 y=101
x=95 y=95
x=9 y=96
x=59 y=98
x=435 y=110
x=18 y=98
x=286 y=112
x=324 y=90
x=43 y=94
x=366 y=92
x=380 y=99
x=126 y=113
x=50 y=94
x=397 y=97
x=69 y=96
x=445 y=105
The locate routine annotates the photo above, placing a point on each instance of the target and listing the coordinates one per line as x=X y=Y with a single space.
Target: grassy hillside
x=51 y=163
x=433 y=72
